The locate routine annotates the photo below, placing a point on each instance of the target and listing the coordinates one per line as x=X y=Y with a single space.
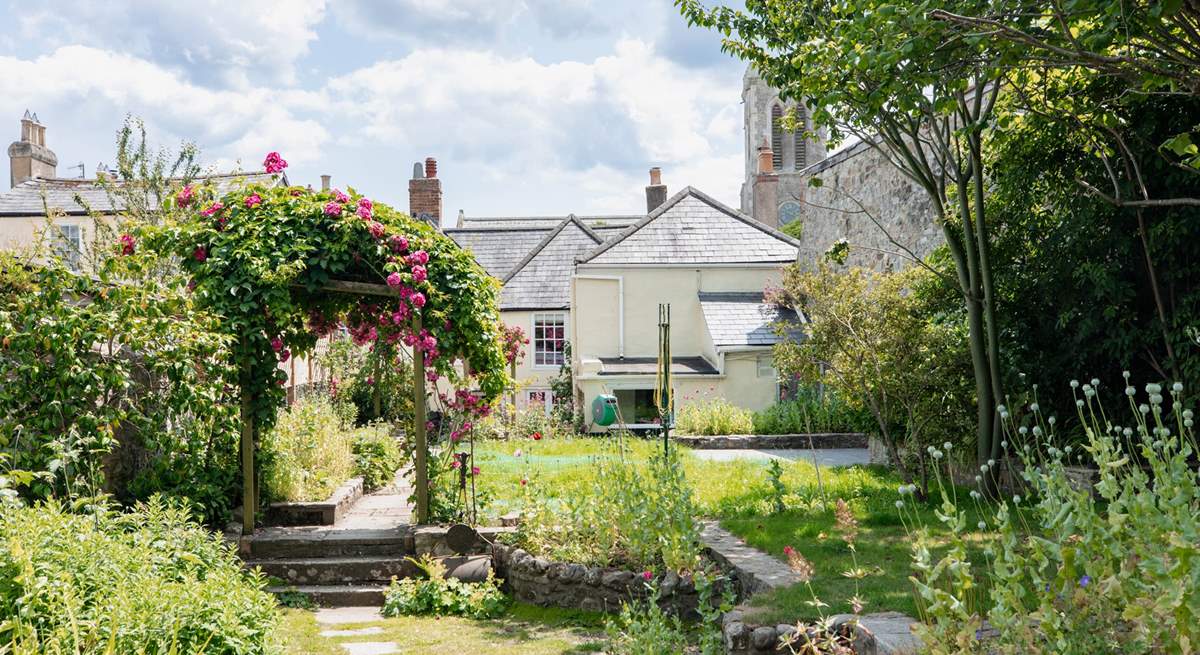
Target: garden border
x=322 y=512
x=774 y=441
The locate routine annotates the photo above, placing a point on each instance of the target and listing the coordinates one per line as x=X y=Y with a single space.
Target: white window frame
x=767 y=371
x=69 y=248
x=544 y=317
x=547 y=399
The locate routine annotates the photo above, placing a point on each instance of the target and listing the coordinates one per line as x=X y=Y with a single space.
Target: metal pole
x=420 y=446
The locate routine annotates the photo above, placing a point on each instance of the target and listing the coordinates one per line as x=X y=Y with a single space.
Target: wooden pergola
x=420 y=458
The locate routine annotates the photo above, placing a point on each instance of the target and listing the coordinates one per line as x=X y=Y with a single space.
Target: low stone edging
x=774 y=441
x=884 y=633
x=324 y=512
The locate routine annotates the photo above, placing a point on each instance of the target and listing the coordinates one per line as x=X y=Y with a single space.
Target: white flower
x=517 y=453
x=1130 y=391
x=1051 y=420
x=937 y=454
x=982 y=525
x=1016 y=500
x=1034 y=407
x=1004 y=444
x=991 y=462
x=1079 y=403
x=983 y=468
x=1095 y=382
x=1074 y=384
x=1023 y=430
x=1089 y=392
x=1068 y=449
x=1187 y=422
x=1127 y=432
x=1037 y=430
x=978 y=479
x=1001 y=408
x=899 y=504
x=1125 y=374
x=1187 y=413
x=1153 y=388
x=1177 y=387
x=1144 y=408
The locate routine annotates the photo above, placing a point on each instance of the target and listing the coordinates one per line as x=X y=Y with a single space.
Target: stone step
x=335 y=570
x=337 y=595
x=288 y=544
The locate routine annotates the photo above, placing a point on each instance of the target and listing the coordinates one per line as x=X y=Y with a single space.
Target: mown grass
x=523 y=629
x=738 y=494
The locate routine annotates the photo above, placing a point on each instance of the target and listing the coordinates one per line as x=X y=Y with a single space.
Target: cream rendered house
x=597 y=283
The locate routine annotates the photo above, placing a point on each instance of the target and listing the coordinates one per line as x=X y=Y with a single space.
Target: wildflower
x=1130 y=391
x=253 y=200
x=1016 y=500
x=899 y=504
x=1074 y=384
x=846 y=523
x=200 y=253
x=185 y=196
x=524 y=482
x=284 y=355
x=212 y=209
x=981 y=525
x=1034 y=407
x=418 y=299
x=1085 y=581
x=419 y=274
x=517 y=453
x=647 y=575
x=1095 y=382
x=946 y=445
x=455 y=464
x=127 y=243
x=474 y=470
x=365 y=203
x=1177 y=387
x=274 y=163
x=536 y=436
x=333 y=209
x=803 y=568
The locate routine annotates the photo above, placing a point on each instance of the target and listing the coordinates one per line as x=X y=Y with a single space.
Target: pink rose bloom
x=418 y=299
x=332 y=208
x=647 y=575
x=253 y=200
x=474 y=470
x=274 y=163
x=365 y=203
x=213 y=208
x=339 y=196
x=398 y=243
x=455 y=464
x=419 y=273
x=127 y=244
x=466 y=426
x=284 y=355
x=185 y=196
x=394 y=280
x=432 y=376
x=200 y=253
x=419 y=257
x=364 y=213
x=376 y=229
x=277 y=344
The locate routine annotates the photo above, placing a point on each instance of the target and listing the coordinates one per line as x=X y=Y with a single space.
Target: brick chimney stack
x=766 y=188
x=425 y=193
x=326 y=180
x=29 y=157
x=656 y=193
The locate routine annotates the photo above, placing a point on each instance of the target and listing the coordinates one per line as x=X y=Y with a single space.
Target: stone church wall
x=860 y=174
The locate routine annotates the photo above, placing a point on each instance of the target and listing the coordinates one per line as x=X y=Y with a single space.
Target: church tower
x=791 y=152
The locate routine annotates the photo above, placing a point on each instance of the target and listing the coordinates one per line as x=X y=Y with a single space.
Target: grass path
x=524 y=629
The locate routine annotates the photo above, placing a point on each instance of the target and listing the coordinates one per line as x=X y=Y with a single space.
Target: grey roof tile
x=543 y=279
x=745 y=319
x=498 y=249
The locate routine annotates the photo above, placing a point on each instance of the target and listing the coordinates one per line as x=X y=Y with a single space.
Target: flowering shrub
x=513 y=342
x=710 y=416
x=1070 y=572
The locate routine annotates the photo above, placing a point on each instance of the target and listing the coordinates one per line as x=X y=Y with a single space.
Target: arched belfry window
x=801 y=151
x=777 y=136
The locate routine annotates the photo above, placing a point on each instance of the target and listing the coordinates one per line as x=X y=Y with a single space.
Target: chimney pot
x=656 y=193
x=430 y=167
x=425 y=193
x=29 y=157
x=766 y=160
x=325 y=182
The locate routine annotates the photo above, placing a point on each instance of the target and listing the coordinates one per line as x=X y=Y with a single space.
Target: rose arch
x=282 y=266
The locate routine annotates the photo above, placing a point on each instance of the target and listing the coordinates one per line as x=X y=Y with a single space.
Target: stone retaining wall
x=884 y=633
x=324 y=512
x=539 y=581
x=775 y=441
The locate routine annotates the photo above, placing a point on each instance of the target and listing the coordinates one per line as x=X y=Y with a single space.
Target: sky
x=530 y=106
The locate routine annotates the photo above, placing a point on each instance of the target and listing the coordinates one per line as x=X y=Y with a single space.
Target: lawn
x=524 y=630
x=738 y=493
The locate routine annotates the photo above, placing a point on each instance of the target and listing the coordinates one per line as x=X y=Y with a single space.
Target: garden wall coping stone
x=323 y=512
x=774 y=441
x=757 y=571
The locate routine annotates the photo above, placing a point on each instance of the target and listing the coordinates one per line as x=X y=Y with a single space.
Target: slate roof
x=549 y=222
x=498 y=249
x=649 y=366
x=542 y=280
x=693 y=228
x=745 y=319
x=25 y=199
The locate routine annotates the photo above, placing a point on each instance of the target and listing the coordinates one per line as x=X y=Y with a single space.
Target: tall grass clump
x=809 y=411
x=1112 y=568
x=308 y=453
x=712 y=416
x=146 y=581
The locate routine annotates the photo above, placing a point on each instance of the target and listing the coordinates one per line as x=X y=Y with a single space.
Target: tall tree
x=920 y=94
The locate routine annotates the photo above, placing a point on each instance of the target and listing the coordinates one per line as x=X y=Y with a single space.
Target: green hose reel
x=604 y=410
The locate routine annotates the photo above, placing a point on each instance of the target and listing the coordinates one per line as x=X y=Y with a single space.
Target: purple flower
x=1085 y=581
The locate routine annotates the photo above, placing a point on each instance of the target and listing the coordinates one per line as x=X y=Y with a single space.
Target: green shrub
x=711 y=416
x=628 y=515
x=147 y=581
x=376 y=456
x=440 y=595
x=809 y=412
x=307 y=454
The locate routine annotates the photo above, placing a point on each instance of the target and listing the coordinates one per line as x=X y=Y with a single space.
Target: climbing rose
x=418 y=299
x=339 y=196
x=200 y=253
x=213 y=208
x=127 y=244
x=394 y=280
x=376 y=229
x=399 y=243
x=185 y=196
x=284 y=355
x=253 y=200
x=365 y=203
x=364 y=213
x=332 y=208
x=274 y=163
x=419 y=257
x=419 y=274
x=277 y=344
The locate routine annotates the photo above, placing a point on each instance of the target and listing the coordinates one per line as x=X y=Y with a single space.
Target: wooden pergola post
x=248 y=500
x=420 y=443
